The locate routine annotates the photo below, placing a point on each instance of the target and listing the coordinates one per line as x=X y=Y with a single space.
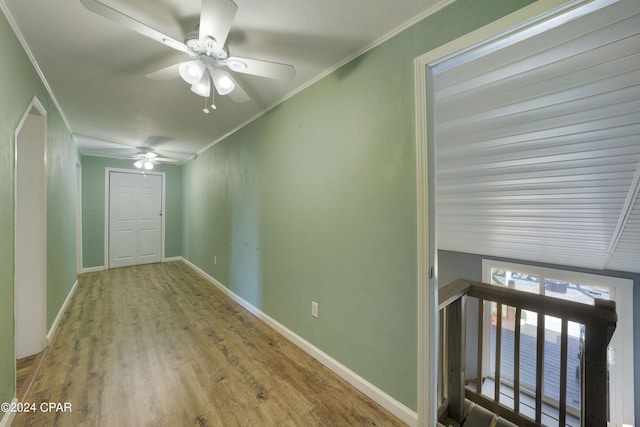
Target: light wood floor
x=25 y=370
x=157 y=345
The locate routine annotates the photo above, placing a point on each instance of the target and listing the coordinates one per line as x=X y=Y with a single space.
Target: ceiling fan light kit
x=203 y=86
x=145 y=160
x=146 y=164
x=206 y=47
x=200 y=76
x=222 y=81
x=191 y=71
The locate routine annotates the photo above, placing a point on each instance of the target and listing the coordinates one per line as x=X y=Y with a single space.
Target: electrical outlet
x=314 y=309
x=215 y=260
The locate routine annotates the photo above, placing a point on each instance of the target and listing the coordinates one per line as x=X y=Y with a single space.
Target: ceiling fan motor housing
x=192 y=38
x=208 y=46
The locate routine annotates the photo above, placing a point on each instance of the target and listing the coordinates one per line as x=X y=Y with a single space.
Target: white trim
x=40 y=254
x=34 y=103
x=93 y=269
x=426 y=231
x=27 y=50
x=8 y=417
x=56 y=321
x=105 y=249
x=415 y=19
x=632 y=196
x=78 y=217
x=173 y=258
x=427 y=292
x=162 y=175
x=501 y=27
x=389 y=403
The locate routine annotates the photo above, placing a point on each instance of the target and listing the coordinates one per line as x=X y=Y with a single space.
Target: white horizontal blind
x=538 y=143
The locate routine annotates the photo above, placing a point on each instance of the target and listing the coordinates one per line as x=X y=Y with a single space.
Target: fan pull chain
x=205 y=109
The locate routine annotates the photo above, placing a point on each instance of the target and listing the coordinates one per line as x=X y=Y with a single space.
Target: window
x=572 y=286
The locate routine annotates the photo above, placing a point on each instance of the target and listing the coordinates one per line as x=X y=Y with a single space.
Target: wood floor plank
x=157 y=345
x=26 y=369
x=23 y=369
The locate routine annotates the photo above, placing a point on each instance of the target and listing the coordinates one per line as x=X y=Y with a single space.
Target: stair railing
x=599 y=323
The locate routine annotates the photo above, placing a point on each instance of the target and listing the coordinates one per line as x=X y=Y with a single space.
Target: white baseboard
x=93 y=269
x=56 y=321
x=398 y=409
x=8 y=417
x=102 y=268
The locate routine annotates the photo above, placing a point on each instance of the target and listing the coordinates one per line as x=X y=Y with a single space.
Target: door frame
x=37 y=244
x=79 y=261
x=516 y=24
x=107 y=188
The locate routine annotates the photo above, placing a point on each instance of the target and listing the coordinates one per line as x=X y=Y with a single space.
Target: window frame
x=621 y=390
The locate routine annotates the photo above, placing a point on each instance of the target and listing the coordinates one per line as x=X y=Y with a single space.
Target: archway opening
x=30 y=276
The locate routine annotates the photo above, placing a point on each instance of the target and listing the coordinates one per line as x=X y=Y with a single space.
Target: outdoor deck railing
x=599 y=322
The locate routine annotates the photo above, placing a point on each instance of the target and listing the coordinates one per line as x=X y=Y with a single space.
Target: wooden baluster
x=456 y=324
x=564 y=344
x=442 y=365
x=498 y=351
x=480 y=376
x=516 y=362
x=594 y=406
x=539 y=367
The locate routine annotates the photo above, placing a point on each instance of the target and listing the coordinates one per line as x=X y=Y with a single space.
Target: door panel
x=147 y=242
x=135 y=221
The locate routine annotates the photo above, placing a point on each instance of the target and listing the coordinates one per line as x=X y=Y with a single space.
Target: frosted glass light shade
x=223 y=82
x=191 y=71
x=202 y=87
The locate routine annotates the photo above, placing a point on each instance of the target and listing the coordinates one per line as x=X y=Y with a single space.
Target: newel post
x=594 y=370
x=456 y=357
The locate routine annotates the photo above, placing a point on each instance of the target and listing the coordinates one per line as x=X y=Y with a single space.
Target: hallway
x=159 y=345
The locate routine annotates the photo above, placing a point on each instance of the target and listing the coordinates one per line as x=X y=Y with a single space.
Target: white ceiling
x=96 y=68
x=531 y=165
x=538 y=145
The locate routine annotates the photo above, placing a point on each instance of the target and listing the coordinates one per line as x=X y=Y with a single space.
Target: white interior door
x=135 y=219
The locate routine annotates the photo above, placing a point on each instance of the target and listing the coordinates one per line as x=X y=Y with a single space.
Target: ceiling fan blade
x=148 y=155
x=166 y=160
x=133 y=24
x=256 y=67
x=216 y=18
x=166 y=73
x=238 y=95
x=173 y=156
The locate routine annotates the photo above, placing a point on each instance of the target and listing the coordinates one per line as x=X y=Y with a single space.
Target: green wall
x=93 y=187
x=316 y=200
x=313 y=201
x=19 y=83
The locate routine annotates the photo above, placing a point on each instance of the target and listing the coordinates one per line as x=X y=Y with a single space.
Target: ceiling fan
x=206 y=70
x=146 y=159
